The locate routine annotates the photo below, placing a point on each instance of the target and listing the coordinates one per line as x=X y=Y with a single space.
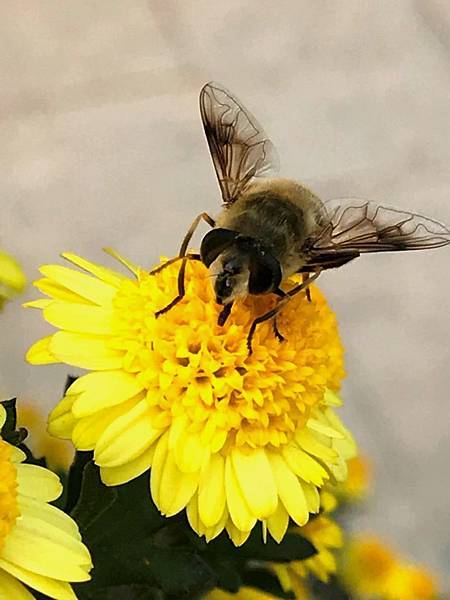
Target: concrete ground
x=102 y=145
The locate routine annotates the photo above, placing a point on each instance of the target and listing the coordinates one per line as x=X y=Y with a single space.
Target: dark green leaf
x=121 y=592
x=132 y=515
x=329 y=591
x=94 y=497
x=266 y=581
x=75 y=479
x=292 y=547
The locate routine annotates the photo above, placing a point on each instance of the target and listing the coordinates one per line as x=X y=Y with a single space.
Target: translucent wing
x=239 y=148
x=352 y=227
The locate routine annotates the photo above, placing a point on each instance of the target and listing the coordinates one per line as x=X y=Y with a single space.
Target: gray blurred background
x=101 y=144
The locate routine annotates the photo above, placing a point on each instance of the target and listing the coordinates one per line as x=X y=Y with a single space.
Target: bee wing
x=240 y=150
x=352 y=227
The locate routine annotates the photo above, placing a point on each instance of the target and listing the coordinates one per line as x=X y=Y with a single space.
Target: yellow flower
x=40 y=545
x=235 y=439
x=325 y=535
x=371 y=570
x=367 y=565
x=359 y=480
x=407 y=582
x=58 y=453
x=12 y=279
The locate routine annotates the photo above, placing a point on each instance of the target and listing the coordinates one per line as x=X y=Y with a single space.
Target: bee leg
x=187 y=238
x=183 y=256
x=265 y=317
x=276 y=331
x=190 y=255
x=181 y=289
x=286 y=296
x=307 y=291
x=224 y=314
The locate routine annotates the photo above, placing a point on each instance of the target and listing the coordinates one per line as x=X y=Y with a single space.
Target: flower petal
x=240 y=512
x=211 y=493
x=38 y=482
x=60 y=590
x=128 y=471
x=102 y=389
x=127 y=263
x=87 y=352
x=108 y=275
x=45 y=550
x=289 y=489
x=255 y=477
x=127 y=437
x=278 y=522
x=236 y=535
x=304 y=465
x=40 y=354
x=310 y=444
x=54 y=290
x=50 y=514
x=88 y=287
x=171 y=488
x=11 y=589
x=80 y=318
x=189 y=452
x=88 y=430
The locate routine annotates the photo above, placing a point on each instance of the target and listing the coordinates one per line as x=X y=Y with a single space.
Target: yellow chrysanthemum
x=40 y=546
x=233 y=438
x=12 y=278
x=407 y=582
x=358 y=482
x=372 y=571
x=58 y=453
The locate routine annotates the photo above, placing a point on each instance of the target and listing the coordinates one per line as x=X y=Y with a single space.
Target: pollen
x=9 y=510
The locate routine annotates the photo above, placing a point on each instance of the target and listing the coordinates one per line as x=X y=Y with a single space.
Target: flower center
x=200 y=373
x=9 y=510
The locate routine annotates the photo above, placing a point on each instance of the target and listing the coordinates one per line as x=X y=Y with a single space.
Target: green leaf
x=227 y=573
x=121 y=592
x=266 y=581
x=131 y=515
x=94 y=498
x=332 y=590
x=292 y=547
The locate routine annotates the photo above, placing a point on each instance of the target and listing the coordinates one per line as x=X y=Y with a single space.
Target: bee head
x=240 y=264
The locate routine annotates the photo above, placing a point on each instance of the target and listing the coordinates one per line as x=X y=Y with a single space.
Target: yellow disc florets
x=9 y=510
x=191 y=366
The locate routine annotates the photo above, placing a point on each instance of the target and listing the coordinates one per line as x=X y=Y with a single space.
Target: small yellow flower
x=372 y=571
x=12 y=278
x=367 y=565
x=58 y=453
x=40 y=546
x=235 y=439
x=359 y=480
x=407 y=582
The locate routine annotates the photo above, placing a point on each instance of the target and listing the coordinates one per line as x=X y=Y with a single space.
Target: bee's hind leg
x=183 y=256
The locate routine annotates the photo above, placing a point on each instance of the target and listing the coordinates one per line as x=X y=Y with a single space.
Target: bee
x=270 y=229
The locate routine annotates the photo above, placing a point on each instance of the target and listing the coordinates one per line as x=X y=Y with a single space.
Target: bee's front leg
x=183 y=256
x=280 y=337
